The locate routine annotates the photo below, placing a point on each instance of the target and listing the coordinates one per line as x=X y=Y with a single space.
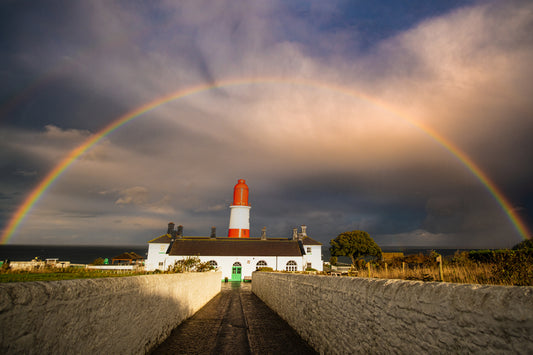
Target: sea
x=84 y=254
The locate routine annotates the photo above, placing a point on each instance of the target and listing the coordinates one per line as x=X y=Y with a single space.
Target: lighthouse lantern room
x=239 y=221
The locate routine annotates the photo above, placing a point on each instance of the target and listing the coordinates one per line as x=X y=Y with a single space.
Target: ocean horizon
x=76 y=254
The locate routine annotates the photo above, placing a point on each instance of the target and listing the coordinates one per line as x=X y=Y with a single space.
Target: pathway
x=234 y=322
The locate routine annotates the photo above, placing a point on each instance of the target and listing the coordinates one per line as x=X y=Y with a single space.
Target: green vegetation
x=62 y=274
x=525 y=244
x=98 y=261
x=490 y=267
x=511 y=267
x=191 y=264
x=355 y=244
x=265 y=268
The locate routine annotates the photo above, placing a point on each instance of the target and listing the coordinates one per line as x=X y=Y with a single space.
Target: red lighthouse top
x=240 y=194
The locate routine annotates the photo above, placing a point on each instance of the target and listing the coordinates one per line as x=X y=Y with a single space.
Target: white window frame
x=260 y=264
x=291 y=266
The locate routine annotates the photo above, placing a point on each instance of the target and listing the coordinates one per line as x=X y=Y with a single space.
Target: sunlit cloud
x=331 y=156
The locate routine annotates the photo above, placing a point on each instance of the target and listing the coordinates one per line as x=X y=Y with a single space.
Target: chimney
x=180 y=231
x=170 y=229
x=304 y=231
x=264 y=233
x=213 y=232
x=294 y=234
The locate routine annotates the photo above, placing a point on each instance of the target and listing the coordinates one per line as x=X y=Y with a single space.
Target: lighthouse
x=239 y=220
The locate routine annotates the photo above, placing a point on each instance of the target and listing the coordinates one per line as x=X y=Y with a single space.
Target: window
x=309 y=265
x=291 y=266
x=213 y=263
x=308 y=250
x=160 y=263
x=237 y=263
x=260 y=264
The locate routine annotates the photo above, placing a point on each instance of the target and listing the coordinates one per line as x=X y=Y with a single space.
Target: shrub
x=514 y=267
x=265 y=269
x=191 y=264
x=98 y=261
x=525 y=244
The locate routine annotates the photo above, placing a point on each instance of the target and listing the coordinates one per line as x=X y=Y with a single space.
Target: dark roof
x=165 y=238
x=128 y=256
x=310 y=241
x=235 y=247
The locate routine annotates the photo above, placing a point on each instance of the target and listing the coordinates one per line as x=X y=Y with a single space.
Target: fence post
x=386 y=270
x=403 y=267
x=368 y=266
x=441 y=274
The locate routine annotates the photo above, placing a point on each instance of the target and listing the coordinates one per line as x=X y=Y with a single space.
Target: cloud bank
x=324 y=139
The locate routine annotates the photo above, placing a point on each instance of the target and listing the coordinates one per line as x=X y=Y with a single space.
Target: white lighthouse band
x=240 y=221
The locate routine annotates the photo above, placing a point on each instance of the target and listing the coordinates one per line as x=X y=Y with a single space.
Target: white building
x=237 y=258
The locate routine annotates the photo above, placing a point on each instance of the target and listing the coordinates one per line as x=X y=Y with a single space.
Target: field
x=490 y=267
x=62 y=274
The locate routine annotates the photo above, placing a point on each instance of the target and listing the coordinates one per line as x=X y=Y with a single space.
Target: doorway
x=236 y=271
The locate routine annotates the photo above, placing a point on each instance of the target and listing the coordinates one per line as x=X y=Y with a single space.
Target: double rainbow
x=23 y=210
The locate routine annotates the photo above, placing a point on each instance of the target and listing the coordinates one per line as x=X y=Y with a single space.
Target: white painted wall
x=156 y=254
x=120 y=315
x=157 y=259
x=315 y=257
x=355 y=315
x=248 y=263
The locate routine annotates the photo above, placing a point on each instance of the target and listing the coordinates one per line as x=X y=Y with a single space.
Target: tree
x=354 y=244
x=525 y=244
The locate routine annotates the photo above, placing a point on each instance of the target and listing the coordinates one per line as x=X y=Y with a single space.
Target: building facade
x=237 y=258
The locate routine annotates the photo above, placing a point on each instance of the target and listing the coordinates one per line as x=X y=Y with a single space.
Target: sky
x=340 y=115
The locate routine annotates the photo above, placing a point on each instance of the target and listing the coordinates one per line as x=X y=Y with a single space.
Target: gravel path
x=234 y=322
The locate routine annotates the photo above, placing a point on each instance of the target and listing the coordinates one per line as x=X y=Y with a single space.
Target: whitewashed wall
x=345 y=315
x=156 y=254
x=315 y=258
x=122 y=315
x=248 y=263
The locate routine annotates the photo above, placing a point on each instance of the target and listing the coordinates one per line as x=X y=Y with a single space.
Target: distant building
x=237 y=255
x=130 y=258
x=237 y=258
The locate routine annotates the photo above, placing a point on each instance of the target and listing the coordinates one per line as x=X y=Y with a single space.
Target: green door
x=236 y=273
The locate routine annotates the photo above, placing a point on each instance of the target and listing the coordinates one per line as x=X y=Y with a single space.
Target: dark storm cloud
x=311 y=155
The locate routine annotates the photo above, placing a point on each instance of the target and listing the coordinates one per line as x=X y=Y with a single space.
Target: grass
x=472 y=274
x=499 y=267
x=63 y=274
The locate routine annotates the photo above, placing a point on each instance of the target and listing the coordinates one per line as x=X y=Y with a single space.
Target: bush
x=525 y=244
x=191 y=264
x=265 y=269
x=514 y=267
x=98 y=261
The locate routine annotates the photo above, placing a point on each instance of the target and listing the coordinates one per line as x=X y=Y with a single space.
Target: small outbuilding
x=130 y=258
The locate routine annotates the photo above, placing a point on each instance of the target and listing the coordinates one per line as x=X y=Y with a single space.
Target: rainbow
x=23 y=210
